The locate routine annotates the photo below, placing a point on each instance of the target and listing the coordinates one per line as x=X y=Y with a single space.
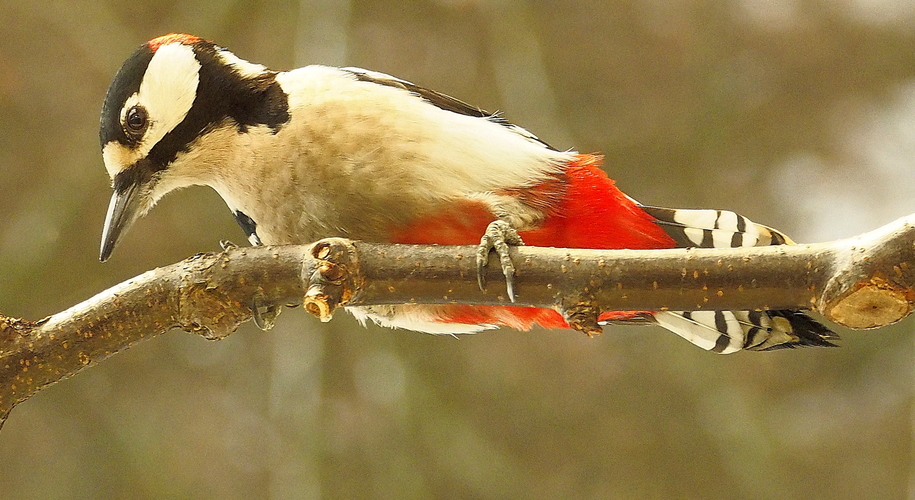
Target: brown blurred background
x=796 y=113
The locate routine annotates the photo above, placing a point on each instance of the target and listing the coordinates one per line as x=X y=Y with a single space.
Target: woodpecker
x=321 y=151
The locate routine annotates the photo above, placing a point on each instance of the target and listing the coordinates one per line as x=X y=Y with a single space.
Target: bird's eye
x=136 y=120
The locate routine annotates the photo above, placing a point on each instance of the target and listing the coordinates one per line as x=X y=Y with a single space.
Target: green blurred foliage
x=796 y=113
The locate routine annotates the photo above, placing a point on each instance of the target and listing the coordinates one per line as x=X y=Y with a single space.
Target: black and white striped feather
x=714 y=229
x=730 y=331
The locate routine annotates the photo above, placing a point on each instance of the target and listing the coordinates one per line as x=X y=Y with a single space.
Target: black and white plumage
x=321 y=151
x=729 y=331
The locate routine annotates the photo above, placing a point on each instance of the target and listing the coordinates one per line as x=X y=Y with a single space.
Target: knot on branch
x=205 y=303
x=581 y=314
x=11 y=328
x=330 y=277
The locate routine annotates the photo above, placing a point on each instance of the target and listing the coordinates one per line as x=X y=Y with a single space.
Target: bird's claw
x=498 y=236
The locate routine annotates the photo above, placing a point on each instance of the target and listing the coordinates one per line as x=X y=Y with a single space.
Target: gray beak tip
x=122 y=211
x=105 y=253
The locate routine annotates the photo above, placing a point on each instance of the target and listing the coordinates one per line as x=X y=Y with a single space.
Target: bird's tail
x=730 y=331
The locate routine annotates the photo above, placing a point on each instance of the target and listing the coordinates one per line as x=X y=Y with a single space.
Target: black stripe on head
x=126 y=83
x=248 y=100
x=138 y=174
x=224 y=96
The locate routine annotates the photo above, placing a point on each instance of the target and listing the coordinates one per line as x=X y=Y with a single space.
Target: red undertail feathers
x=582 y=209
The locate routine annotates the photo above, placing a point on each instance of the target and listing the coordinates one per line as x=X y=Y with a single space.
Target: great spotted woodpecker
x=321 y=151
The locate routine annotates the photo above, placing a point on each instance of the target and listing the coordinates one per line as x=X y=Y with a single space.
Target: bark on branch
x=863 y=282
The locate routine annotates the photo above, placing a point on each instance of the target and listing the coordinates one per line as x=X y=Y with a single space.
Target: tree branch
x=862 y=282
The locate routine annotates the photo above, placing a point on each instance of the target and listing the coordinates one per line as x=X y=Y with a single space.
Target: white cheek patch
x=167 y=91
x=169 y=88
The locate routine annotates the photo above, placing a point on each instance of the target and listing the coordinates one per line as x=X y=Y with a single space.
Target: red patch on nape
x=181 y=38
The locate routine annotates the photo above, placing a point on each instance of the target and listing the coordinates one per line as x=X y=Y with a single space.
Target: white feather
x=704 y=219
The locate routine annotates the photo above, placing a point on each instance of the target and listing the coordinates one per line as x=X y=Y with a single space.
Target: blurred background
x=795 y=113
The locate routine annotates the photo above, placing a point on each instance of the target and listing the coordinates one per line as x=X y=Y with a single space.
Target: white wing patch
x=443 y=101
x=448 y=154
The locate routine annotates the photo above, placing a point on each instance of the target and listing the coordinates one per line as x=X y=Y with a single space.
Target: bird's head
x=167 y=118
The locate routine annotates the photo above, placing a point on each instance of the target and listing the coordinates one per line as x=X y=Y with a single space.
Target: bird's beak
x=123 y=210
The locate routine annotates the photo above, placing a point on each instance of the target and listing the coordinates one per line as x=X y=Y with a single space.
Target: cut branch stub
x=331 y=277
x=873 y=281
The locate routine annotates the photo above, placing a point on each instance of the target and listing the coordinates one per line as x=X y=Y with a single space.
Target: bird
x=322 y=151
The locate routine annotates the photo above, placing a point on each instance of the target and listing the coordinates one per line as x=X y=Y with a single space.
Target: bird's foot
x=498 y=236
